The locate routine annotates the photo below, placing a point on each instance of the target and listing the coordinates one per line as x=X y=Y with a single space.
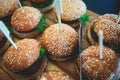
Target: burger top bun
x=23 y=57
x=7 y=7
x=25 y=18
x=1 y=35
x=95 y=68
x=111 y=17
x=72 y=10
x=111 y=29
x=60 y=42
x=54 y=75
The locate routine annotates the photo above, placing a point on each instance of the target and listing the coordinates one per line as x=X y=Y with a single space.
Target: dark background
x=103 y=6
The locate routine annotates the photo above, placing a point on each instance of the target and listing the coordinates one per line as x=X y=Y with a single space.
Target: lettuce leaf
x=41 y=26
x=42 y=52
x=10 y=29
x=115 y=47
x=84 y=18
x=24 y=3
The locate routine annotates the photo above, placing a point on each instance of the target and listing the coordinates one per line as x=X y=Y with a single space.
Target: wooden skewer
x=7 y=33
x=19 y=3
x=118 y=18
x=100 y=33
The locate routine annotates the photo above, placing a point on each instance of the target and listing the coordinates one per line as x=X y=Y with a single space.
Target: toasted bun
x=107 y=23
x=25 y=18
x=54 y=75
x=72 y=10
x=95 y=68
x=60 y=43
x=111 y=17
x=23 y=57
x=30 y=34
x=7 y=7
x=111 y=30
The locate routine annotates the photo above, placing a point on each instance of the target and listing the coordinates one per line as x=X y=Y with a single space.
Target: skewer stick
x=100 y=34
x=19 y=3
x=118 y=18
x=59 y=11
x=7 y=33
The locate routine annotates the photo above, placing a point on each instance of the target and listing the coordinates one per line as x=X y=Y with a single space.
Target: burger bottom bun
x=89 y=34
x=5 y=47
x=77 y=69
x=48 y=8
x=59 y=58
x=35 y=75
x=30 y=34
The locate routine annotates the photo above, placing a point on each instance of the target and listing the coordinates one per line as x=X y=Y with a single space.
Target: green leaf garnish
x=11 y=31
x=115 y=47
x=42 y=52
x=84 y=18
x=43 y=4
x=24 y=3
x=41 y=26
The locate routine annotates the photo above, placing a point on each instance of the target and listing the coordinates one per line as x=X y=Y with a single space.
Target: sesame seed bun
x=60 y=44
x=72 y=11
x=111 y=30
x=24 y=21
x=54 y=75
x=7 y=7
x=95 y=68
x=23 y=57
x=25 y=18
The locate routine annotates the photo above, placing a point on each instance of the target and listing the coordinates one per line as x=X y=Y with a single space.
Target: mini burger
x=26 y=59
x=60 y=42
x=43 y=5
x=27 y=22
x=73 y=11
x=7 y=7
x=54 y=75
x=111 y=31
x=94 y=68
x=4 y=43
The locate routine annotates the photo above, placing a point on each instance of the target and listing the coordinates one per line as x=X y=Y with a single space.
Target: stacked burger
x=26 y=60
x=7 y=7
x=111 y=31
x=94 y=68
x=73 y=12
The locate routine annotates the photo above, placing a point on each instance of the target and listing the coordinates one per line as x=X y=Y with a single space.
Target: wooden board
x=67 y=66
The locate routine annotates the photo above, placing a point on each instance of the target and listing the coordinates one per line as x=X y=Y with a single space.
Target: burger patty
x=42 y=4
x=2 y=42
x=33 y=68
x=70 y=22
